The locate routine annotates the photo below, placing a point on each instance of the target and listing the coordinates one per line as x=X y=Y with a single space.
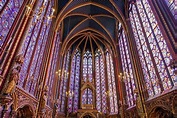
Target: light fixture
x=108 y=93
x=58 y=72
x=69 y=94
x=38 y=14
x=123 y=76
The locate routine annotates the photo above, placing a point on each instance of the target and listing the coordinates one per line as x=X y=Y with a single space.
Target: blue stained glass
x=111 y=84
x=154 y=43
x=7 y=17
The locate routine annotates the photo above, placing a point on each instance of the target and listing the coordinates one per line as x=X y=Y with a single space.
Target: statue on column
x=139 y=104
x=8 y=94
x=44 y=98
x=13 y=80
x=14 y=75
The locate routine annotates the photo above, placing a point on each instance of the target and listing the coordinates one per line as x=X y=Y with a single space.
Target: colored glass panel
x=8 y=17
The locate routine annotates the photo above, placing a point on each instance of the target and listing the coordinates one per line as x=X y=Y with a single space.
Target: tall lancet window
x=152 y=48
x=64 y=82
x=87 y=66
x=100 y=82
x=73 y=100
x=172 y=7
x=127 y=70
x=87 y=96
x=111 y=84
x=34 y=45
x=9 y=10
x=53 y=72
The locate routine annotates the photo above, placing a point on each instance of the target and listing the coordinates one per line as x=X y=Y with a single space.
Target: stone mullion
x=148 y=46
x=138 y=74
x=166 y=67
x=35 y=46
x=142 y=51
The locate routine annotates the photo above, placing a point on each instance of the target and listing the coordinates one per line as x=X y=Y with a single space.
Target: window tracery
x=7 y=18
x=128 y=77
x=33 y=47
x=152 y=48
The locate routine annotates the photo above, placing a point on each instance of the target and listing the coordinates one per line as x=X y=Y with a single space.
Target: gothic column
x=43 y=93
x=24 y=21
x=138 y=74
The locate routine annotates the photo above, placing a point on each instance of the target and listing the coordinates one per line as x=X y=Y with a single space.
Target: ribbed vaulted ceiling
x=94 y=21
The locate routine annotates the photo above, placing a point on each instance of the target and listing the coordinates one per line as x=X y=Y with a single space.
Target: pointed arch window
x=111 y=84
x=9 y=9
x=64 y=82
x=74 y=82
x=101 y=101
x=127 y=70
x=33 y=48
x=152 y=48
x=87 y=66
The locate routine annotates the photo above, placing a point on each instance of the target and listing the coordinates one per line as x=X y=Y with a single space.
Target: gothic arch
x=31 y=107
x=25 y=111
x=159 y=104
x=160 y=112
x=88 y=113
x=174 y=104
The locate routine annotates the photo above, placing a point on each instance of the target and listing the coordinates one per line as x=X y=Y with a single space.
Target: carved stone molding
x=165 y=101
x=23 y=98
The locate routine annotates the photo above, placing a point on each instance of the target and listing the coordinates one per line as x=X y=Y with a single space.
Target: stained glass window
x=63 y=82
x=87 y=96
x=111 y=84
x=87 y=66
x=127 y=69
x=53 y=70
x=100 y=82
x=172 y=5
x=8 y=17
x=153 y=51
x=74 y=83
x=33 y=48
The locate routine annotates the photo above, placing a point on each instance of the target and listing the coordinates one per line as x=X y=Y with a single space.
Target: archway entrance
x=87 y=116
x=24 y=112
x=160 y=112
